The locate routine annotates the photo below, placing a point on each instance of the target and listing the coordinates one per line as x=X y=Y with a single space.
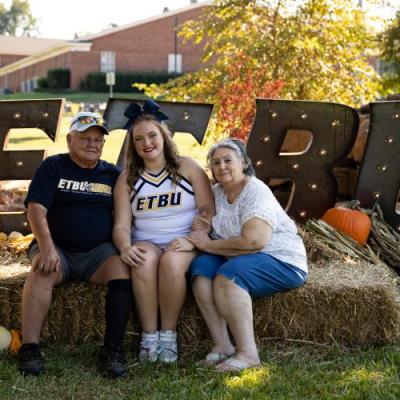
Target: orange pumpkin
x=16 y=341
x=353 y=223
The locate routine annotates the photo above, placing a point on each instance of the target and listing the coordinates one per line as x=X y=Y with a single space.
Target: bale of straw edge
x=344 y=301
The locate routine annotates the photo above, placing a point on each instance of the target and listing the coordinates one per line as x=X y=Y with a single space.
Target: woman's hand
x=201 y=223
x=180 y=244
x=200 y=239
x=133 y=256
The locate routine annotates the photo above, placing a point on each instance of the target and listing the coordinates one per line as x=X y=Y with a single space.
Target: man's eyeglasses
x=85 y=140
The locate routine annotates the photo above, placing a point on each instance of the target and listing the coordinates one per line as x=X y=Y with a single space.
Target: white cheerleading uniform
x=162 y=210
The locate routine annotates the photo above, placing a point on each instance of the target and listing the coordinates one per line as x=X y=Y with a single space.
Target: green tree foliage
x=17 y=20
x=390 y=40
x=316 y=50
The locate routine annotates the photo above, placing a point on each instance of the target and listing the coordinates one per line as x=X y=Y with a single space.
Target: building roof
x=26 y=46
x=143 y=21
x=54 y=51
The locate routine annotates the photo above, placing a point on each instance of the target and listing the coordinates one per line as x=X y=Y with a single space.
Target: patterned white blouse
x=257 y=200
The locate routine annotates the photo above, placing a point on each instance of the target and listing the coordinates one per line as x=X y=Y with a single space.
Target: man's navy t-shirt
x=79 y=201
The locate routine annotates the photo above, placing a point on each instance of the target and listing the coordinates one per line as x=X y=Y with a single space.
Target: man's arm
x=49 y=260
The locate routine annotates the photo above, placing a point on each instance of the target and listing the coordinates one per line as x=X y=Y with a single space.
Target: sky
x=61 y=19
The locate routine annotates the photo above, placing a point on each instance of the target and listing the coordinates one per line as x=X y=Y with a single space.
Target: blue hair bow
x=134 y=111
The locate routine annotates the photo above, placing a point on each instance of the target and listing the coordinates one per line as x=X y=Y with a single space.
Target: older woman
x=255 y=252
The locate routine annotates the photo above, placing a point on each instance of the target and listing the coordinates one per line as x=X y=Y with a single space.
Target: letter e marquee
x=18 y=165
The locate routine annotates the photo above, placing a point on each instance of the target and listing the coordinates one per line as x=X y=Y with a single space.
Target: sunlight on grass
x=113 y=145
x=248 y=378
x=19 y=139
x=35 y=139
x=188 y=146
x=360 y=375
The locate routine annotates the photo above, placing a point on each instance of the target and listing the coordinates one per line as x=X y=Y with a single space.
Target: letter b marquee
x=333 y=130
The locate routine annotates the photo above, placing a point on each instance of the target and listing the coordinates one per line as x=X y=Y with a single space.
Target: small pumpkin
x=5 y=338
x=10 y=340
x=350 y=221
x=16 y=341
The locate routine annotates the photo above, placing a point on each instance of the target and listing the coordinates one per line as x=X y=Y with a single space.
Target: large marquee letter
x=332 y=129
x=18 y=165
x=182 y=117
x=379 y=179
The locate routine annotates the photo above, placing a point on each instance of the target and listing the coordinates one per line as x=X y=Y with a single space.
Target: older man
x=70 y=212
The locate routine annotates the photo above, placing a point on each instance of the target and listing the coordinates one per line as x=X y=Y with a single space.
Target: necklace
x=234 y=194
x=154 y=172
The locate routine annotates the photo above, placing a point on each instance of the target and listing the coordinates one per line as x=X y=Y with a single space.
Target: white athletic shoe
x=168 y=348
x=149 y=347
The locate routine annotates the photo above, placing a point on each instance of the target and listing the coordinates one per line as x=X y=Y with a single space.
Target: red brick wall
x=81 y=64
x=8 y=59
x=146 y=47
x=14 y=79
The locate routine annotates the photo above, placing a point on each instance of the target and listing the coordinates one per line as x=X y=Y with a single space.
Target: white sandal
x=235 y=365
x=212 y=359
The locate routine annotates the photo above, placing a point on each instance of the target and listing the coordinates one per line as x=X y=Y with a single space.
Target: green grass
x=73 y=96
x=288 y=372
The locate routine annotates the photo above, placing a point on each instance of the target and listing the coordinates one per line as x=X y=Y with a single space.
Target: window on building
x=174 y=63
x=34 y=83
x=107 y=61
x=26 y=86
x=29 y=85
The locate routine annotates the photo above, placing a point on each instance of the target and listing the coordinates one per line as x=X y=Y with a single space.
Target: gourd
x=350 y=221
x=10 y=340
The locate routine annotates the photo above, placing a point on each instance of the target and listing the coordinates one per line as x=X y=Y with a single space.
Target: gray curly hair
x=239 y=148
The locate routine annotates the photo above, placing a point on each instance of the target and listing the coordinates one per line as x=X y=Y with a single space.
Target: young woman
x=156 y=198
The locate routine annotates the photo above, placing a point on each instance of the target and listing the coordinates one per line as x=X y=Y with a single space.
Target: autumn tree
x=17 y=20
x=390 y=40
x=314 y=50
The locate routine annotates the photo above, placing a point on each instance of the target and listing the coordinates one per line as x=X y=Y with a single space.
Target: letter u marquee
x=379 y=179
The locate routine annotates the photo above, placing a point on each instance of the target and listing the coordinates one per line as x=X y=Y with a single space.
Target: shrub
x=58 y=78
x=96 y=81
x=42 y=83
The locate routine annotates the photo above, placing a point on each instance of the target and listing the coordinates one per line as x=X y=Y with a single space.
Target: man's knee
x=44 y=280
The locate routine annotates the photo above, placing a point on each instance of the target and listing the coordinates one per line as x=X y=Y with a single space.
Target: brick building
x=148 y=45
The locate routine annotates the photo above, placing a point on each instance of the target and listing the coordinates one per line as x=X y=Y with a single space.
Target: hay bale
x=344 y=301
x=76 y=313
x=332 y=306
